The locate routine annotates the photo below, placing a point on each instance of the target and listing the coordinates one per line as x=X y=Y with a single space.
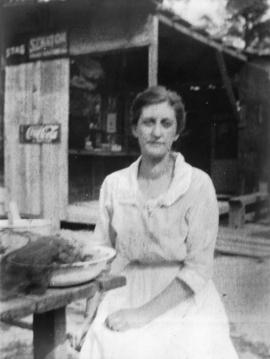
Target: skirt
x=197 y=328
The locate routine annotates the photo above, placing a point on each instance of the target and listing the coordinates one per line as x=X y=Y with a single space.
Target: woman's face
x=156 y=130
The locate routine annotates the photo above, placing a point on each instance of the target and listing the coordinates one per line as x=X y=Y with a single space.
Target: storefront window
x=102 y=87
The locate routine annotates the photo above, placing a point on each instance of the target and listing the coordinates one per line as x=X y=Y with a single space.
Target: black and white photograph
x=134 y=179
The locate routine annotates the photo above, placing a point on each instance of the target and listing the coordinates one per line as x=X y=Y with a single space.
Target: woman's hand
x=127 y=319
x=76 y=339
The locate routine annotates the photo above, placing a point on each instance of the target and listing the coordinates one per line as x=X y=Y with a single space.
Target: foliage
x=240 y=23
x=246 y=20
x=251 y=10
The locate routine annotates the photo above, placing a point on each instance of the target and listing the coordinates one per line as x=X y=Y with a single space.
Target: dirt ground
x=244 y=285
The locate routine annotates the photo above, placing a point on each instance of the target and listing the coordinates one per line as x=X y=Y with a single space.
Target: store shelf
x=102 y=153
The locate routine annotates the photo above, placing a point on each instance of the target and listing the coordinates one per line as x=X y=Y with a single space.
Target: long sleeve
x=104 y=233
x=202 y=220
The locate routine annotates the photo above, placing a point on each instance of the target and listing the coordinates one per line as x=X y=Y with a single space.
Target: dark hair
x=155 y=95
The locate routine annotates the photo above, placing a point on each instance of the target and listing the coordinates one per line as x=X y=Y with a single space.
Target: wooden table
x=49 y=313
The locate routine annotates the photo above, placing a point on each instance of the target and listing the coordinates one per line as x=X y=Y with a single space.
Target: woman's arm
x=104 y=233
x=176 y=292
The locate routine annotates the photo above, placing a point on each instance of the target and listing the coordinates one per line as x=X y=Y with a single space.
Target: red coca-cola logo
x=40 y=133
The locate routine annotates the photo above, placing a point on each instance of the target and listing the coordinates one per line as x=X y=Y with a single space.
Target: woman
x=161 y=215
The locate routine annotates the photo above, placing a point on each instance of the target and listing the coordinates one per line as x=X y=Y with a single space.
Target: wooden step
x=251 y=240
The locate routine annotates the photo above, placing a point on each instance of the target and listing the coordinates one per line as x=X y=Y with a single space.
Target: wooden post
x=153 y=52
x=2 y=74
x=227 y=83
x=50 y=346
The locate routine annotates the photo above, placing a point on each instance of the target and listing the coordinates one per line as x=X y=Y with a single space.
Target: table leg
x=49 y=331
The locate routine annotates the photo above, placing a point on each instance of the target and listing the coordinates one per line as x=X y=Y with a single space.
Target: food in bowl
x=70 y=253
x=54 y=261
x=80 y=272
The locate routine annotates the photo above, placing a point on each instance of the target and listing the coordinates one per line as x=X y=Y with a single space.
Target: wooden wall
x=254 y=127
x=36 y=174
x=2 y=77
x=2 y=73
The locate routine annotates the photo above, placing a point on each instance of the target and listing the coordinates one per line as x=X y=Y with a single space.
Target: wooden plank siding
x=36 y=174
x=2 y=79
x=21 y=163
x=30 y=156
x=54 y=158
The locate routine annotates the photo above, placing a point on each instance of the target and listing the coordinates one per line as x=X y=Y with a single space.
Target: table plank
x=55 y=298
x=58 y=297
x=16 y=308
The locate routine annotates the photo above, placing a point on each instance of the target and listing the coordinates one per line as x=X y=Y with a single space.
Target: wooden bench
x=238 y=207
x=223 y=207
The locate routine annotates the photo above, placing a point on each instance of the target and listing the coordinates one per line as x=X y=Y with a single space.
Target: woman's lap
x=195 y=329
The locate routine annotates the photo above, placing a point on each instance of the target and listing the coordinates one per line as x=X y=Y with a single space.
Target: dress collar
x=179 y=185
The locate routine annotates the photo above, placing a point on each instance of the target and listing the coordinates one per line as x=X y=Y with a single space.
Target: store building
x=71 y=70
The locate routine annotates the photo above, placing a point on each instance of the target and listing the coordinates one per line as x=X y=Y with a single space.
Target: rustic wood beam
x=107 y=46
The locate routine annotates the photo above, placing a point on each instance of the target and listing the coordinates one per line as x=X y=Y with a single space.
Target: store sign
x=16 y=54
x=49 y=133
x=19 y=50
x=49 y=45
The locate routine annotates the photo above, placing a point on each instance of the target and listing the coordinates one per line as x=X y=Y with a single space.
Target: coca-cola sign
x=49 y=133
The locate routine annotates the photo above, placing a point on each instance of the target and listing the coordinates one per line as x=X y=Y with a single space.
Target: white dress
x=172 y=236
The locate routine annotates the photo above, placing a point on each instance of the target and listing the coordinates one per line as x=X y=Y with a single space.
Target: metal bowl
x=66 y=275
